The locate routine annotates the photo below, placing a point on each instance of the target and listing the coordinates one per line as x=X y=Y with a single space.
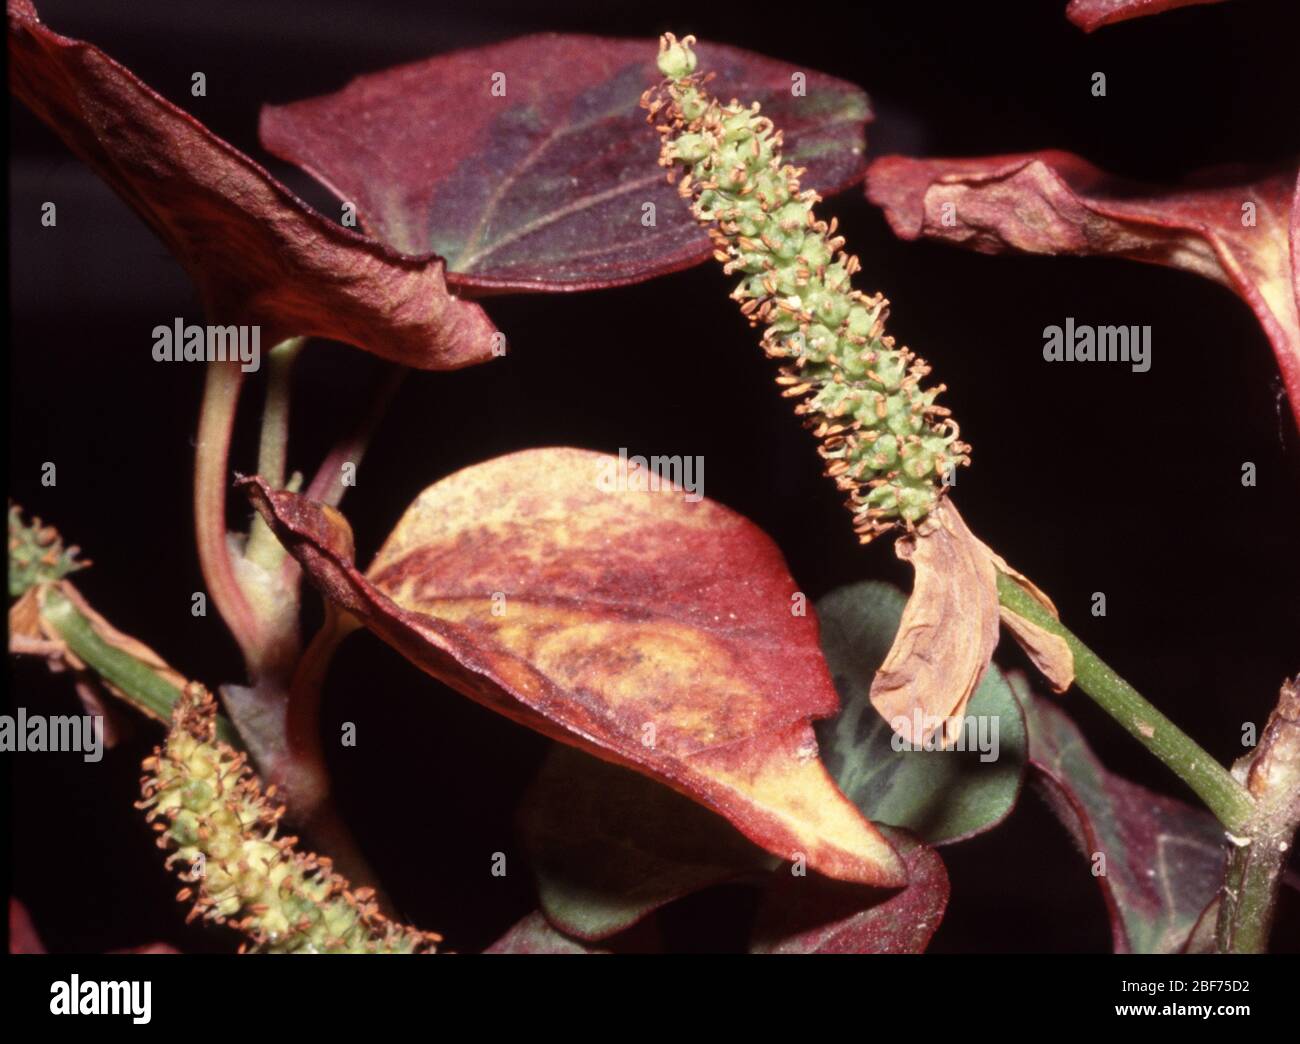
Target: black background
x=1086 y=478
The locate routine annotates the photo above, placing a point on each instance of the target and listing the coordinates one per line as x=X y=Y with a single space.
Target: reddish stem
x=211 y=478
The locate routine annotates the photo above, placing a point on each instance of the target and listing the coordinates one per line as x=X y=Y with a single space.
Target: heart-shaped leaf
x=528 y=164
x=534 y=935
x=1159 y=862
x=808 y=914
x=939 y=795
x=1243 y=232
x=647 y=627
x=1093 y=14
x=609 y=846
x=258 y=255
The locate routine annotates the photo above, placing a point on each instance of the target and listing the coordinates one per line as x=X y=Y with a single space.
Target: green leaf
x=941 y=796
x=609 y=846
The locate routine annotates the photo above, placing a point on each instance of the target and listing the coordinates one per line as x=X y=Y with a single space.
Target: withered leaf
x=1241 y=230
x=948 y=631
x=1049 y=652
x=258 y=255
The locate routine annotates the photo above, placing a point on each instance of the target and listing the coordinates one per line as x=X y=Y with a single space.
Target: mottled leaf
x=1163 y=860
x=939 y=795
x=645 y=628
x=609 y=846
x=1226 y=226
x=528 y=164
x=258 y=255
x=1093 y=14
x=813 y=915
x=534 y=935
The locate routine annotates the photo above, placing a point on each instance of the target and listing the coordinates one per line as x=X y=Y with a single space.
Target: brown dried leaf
x=948 y=631
x=1048 y=652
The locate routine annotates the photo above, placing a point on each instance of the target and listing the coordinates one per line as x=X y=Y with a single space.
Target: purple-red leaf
x=1243 y=232
x=528 y=164
x=23 y=937
x=258 y=255
x=535 y=935
x=652 y=630
x=1093 y=14
x=1159 y=862
x=809 y=914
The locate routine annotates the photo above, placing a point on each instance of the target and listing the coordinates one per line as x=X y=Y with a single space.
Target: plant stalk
x=211 y=479
x=137 y=681
x=1230 y=802
x=327 y=484
x=273 y=446
x=1258 y=860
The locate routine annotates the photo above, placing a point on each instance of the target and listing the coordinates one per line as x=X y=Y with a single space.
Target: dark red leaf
x=23 y=937
x=1054 y=202
x=258 y=255
x=534 y=935
x=544 y=188
x=813 y=915
x=1093 y=14
x=645 y=628
x=1159 y=862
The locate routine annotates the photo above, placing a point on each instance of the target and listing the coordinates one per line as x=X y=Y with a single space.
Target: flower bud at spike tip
x=676 y=59
x=884 y=440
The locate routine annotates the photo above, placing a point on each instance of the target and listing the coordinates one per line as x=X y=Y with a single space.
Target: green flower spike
x=885 y=441
x=36 y=554
x=206 y=803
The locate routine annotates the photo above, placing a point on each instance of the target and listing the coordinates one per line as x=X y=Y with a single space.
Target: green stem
x=273 y=446
x=136 y=680
x=1230 y=802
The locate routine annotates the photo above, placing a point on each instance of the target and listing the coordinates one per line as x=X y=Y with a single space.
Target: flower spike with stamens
x=206 y=803
x=885 y=442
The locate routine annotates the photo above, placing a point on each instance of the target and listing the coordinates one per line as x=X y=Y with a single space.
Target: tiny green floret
x=886 y=443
